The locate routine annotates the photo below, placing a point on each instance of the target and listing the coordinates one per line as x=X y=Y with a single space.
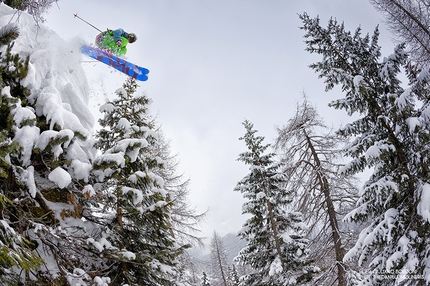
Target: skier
x=115 y=41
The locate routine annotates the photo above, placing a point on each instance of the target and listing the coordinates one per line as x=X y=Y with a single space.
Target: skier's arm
x=118 y=33
x=120 y=50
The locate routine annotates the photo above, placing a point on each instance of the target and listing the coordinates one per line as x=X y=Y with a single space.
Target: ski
x=117 y=63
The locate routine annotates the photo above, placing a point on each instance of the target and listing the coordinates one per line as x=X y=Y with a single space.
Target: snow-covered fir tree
x=390 y=136
x=137 y=240
x=205 y=280
x=233 y=278
x=276 y=248
x=40 y=178
x=15 y=247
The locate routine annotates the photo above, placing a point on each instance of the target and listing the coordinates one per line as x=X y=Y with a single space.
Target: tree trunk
x=120 y=223
x=339 y=251
x=275 y=231
x=220 y=262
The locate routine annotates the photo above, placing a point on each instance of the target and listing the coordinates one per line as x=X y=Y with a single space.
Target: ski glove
x=119 y=43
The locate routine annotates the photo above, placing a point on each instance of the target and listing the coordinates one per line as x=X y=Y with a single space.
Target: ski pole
x=76 y=16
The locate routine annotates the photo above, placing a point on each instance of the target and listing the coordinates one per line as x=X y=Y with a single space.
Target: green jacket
x=107 y=41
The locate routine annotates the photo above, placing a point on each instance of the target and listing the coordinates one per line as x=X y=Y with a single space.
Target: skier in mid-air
x=111 y=44
x=115 y=41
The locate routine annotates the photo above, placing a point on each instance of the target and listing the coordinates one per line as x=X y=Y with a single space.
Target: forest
x=112 y=209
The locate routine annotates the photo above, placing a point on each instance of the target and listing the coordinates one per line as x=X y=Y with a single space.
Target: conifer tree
x=205 y=280
x=40 y=203
x=138 y=240
x=276 y=248
x=16 y=249
x=391 y=137
x=233 y=276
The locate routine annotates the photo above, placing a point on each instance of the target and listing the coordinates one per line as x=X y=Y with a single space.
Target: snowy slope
x=56 y=75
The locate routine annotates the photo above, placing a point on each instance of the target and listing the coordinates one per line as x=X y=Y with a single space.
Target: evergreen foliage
x=15 y=247
x=8 y=33
x=276 y=248
x=15 y=250
x=140 y=245
x=233 y=276
x=30 y=153
x=205 y=280
x=391 y=137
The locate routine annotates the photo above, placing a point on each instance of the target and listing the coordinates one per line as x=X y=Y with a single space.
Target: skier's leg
x=98 y=38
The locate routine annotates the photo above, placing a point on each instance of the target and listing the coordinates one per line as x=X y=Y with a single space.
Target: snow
x=27 y=137
x=125 y=125
x=80 y=169
x=59 y=90
x=7 y=227
x=107 y=107
x=401 y=252
x=137 y=197
x=49 y=135
x=6 y=91
x=121 y=90
x=260 y=195
x=368 y=236
x=426 y=113
x=27 y=176
x=357 y=80
x=102 y=281
x=89 y=190
x=128 y=255
x=412 y=122
x=376 y=150
x=131 y=147
x=22 y=114
x=402 y=100
x=50 y=105
x=423 y=208
x=134 y=178
x=102 y=244
x=275 y=267
x=60 y=177
x=158 y=181
x=118 y=158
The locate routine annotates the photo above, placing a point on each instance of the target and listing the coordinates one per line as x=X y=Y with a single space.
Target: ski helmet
x=132 y=38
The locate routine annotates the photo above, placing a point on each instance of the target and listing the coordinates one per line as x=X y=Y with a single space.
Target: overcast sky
x=213 y=64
